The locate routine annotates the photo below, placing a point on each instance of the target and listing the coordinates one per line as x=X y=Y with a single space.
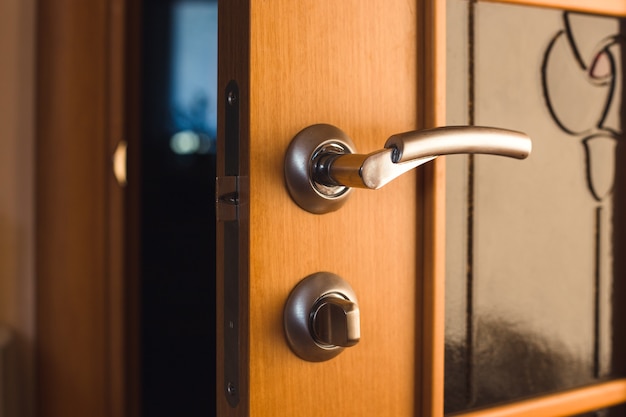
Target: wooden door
x=372 y=69
x=363 y=67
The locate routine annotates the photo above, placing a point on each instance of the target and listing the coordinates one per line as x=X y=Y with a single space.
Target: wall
x=17 y=267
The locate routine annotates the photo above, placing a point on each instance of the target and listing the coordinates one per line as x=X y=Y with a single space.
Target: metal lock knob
x=335 y=321
x=321 y=317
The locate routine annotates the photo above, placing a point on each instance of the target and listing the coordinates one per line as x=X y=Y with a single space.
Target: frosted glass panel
x=531 y=244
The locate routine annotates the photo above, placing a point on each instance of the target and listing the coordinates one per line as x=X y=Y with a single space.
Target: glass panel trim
x=604 y=7
x=569 y=402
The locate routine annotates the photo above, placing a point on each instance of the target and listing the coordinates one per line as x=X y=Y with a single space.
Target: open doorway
x=179 y=118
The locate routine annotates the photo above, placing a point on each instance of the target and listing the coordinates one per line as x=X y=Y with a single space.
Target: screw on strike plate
x=231 y=98
x=230 y=388
x=230 y=198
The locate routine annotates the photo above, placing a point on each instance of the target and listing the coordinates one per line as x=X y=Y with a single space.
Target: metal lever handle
x=321 y=166
x=458 y=140
x=409 y=150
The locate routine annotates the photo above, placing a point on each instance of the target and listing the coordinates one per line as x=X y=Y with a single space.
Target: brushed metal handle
x=321 y=165
x=458 y=140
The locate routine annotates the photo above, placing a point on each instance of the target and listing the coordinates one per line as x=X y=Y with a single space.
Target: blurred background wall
x=17 y=269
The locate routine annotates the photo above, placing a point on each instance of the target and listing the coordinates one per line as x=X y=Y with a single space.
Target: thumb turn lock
x=322 y=317
x=321 y=166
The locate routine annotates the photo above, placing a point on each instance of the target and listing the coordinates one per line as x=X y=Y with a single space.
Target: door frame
x=433 y=83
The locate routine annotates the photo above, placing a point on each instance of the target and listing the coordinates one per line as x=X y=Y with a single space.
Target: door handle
x=322 y=167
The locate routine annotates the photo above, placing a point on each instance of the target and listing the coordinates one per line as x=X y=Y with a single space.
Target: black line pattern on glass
x=597 y=135
x=469 y=317
x=596 y=296
x=602 y=51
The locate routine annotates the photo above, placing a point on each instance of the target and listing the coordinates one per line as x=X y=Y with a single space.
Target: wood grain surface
x=352 y=64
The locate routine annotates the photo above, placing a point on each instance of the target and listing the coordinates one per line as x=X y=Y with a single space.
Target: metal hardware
x=321 y=165
x=316 y=197
x=231 y=194
x=321 y=317
x=231 y=99
x=335 y=321
x=232 y=199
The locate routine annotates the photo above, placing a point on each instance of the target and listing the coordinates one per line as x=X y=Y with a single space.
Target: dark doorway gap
x=177 y=340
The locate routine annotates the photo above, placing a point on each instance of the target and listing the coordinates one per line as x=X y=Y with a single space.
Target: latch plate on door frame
x=232 y=212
